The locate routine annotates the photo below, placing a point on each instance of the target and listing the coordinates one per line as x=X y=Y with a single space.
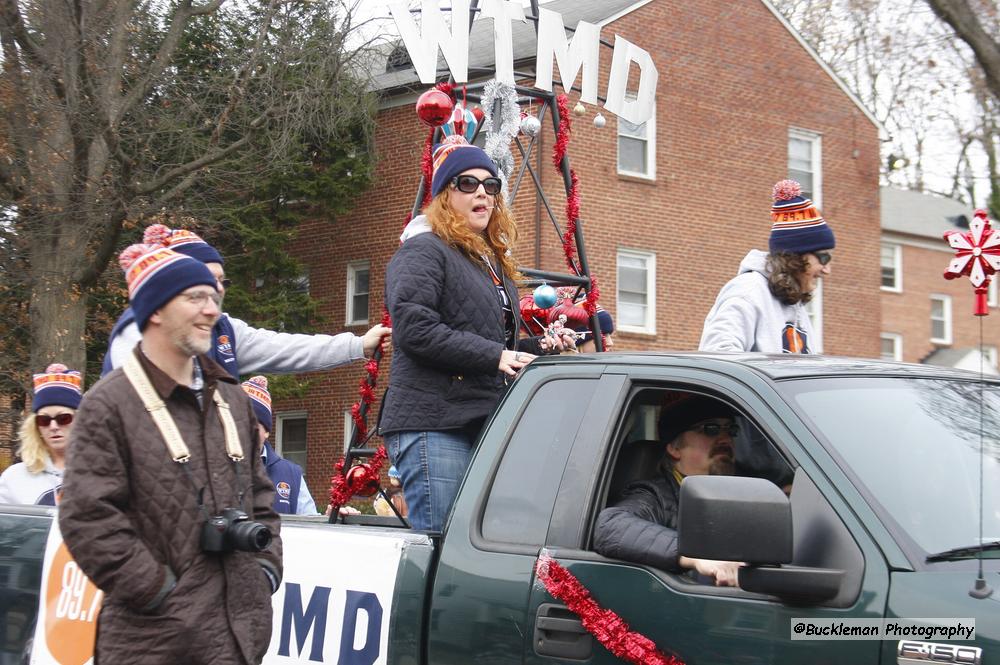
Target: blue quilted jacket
x=447 y=336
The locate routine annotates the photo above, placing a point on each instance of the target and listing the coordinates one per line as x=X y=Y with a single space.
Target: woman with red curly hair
x=451 y=294
x=763 y=307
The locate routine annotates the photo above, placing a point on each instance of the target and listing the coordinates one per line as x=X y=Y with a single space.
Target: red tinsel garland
x=572 y=200
x=341 y=490
x=610 y=629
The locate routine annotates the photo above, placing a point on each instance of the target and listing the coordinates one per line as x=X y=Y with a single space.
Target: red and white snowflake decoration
x=977 y=255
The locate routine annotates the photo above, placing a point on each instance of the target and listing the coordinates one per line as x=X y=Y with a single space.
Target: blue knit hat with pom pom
x=796 y=225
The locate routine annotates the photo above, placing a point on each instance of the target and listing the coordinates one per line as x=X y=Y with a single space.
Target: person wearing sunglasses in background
x=451 y=294
x=44 y=435
x=641 y=525
x=763 y=307
x=238 y=347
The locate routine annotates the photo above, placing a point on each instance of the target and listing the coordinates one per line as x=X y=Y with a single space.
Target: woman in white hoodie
x=763 y=307
x=44 y=439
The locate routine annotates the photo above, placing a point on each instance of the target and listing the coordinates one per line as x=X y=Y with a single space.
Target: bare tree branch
x=967 y=25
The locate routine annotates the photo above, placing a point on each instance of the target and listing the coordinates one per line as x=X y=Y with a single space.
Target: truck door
x=499 y=522
x=699 y=623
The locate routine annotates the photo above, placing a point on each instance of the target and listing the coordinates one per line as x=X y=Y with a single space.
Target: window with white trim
x=940 y=319
x=814 y=308
x=805 y=163
x=991 y=292
x=637 y=147
x=636 y=291
x=290 y=441
x=358 y=285
x=892 y=346
x=892 y=267
x=990 y=356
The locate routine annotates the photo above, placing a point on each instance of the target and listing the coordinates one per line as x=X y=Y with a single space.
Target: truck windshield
x=913 y=447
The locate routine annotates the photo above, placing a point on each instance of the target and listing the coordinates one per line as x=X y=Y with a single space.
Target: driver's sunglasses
x=714 y=429
x=470 y=183
x=823 y=257
x=62 y=419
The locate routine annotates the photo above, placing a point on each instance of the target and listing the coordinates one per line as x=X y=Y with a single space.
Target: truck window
x=641 y=449
x=526 y=481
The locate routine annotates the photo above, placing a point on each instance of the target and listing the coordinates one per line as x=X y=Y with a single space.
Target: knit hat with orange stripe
x=796 y=225
x=156 y=274
x=455 y=156
x=260 y=399
x=57 y=386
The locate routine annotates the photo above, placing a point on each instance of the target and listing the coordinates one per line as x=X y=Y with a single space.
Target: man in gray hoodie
x=763 y=307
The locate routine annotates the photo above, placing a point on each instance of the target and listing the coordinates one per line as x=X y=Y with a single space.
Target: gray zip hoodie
x=746 y=317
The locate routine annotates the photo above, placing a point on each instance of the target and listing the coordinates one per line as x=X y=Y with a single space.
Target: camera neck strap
x=157 y=409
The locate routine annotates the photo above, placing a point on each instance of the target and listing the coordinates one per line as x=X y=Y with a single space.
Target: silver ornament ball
x=600 y=121
x=530 y=126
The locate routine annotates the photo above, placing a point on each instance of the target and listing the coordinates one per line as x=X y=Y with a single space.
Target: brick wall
x=732 y=81
x=908 y=313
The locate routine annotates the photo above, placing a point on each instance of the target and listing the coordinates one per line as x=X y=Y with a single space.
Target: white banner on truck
x=334 y=602
x=68 y=604
x=319 y=616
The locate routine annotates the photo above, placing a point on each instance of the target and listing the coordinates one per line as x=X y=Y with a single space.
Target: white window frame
x=348 y=427
x=991 y=292
x=817 y=160
x=814 y=308
x=897 y=345
x=649 y=328
x=897 y=266
x=650 y=139
x=947 y=318
x=352 y=272
x=279 y=427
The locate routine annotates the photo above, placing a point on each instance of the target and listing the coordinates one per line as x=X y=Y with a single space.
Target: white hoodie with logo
x=746 y=317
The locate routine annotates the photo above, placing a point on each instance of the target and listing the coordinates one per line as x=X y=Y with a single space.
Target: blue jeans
x=431 y=466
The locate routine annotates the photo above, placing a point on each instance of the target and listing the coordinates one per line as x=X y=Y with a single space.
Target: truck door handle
x=560 y=633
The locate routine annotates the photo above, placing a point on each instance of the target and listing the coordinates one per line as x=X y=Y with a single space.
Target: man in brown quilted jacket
x=134 y=512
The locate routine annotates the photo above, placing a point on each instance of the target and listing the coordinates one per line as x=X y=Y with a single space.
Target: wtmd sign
x=574 y=55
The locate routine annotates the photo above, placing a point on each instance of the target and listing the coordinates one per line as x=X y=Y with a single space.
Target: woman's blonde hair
x=784 y=269
x=32 y=450
x=498 y=238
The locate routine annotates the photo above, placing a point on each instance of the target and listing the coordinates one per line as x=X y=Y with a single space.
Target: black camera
x=233 y=530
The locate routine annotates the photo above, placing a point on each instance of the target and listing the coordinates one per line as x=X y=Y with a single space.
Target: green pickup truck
x=885 y=518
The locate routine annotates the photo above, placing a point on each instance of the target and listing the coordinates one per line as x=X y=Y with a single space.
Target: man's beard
x=190 y=346
x=722 y=466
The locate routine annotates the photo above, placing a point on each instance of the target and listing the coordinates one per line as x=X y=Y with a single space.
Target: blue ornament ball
x=545 y=296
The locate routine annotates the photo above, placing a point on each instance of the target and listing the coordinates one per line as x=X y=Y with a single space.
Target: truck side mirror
x=732 y=518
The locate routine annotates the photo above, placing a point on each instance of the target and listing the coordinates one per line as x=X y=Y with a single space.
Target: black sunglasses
x=470 y=183
x=823 y=257
x=714 y=429
x=62 y=419
x=226 y=283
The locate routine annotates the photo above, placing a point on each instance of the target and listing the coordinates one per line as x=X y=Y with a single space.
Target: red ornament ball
x=434 y=108
x=362 y=473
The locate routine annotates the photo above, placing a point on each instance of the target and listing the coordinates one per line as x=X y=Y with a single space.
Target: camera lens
x=249 y=536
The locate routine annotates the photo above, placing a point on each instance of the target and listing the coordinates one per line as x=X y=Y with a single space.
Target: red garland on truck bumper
x=610 y=629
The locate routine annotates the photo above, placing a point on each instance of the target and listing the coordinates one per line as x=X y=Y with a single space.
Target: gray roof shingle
x=919 y=213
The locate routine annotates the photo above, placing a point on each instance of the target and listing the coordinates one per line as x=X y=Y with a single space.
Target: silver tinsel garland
x=502 y=130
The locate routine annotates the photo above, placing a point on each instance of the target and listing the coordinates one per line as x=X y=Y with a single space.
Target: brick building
x=926 y=318
x=669 y=208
